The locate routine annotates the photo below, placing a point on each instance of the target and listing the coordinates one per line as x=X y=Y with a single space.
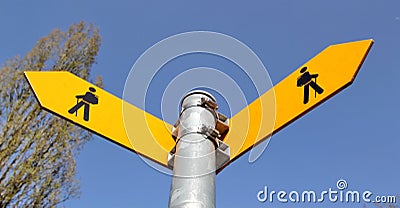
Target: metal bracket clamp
x=215 y=135
x=221 y=128
x=222 y=149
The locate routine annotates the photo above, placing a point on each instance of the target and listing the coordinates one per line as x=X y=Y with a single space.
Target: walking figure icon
x=306 y=80
x=87 y=99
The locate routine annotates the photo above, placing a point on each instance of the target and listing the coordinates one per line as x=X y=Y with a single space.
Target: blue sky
x=352 y=136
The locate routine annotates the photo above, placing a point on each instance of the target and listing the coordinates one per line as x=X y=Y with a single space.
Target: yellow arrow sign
x=323 y=76
x=90 y=107
x=94 y=109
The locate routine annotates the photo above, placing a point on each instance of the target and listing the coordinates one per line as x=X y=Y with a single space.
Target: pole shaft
x=193 y=181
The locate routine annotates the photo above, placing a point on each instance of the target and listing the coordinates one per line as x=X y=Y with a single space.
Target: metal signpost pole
x=195 y=163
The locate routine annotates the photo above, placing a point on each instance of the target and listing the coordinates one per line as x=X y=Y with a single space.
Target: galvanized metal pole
x=194 y=164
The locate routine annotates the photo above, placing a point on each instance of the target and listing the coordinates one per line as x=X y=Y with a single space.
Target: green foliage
x=37 y=149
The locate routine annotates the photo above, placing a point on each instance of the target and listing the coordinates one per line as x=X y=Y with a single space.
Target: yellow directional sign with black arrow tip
x=90 y=107
x=311 y=84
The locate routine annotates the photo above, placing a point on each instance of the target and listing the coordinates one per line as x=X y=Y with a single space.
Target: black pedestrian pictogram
x=306 y=80
x=87 y=99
